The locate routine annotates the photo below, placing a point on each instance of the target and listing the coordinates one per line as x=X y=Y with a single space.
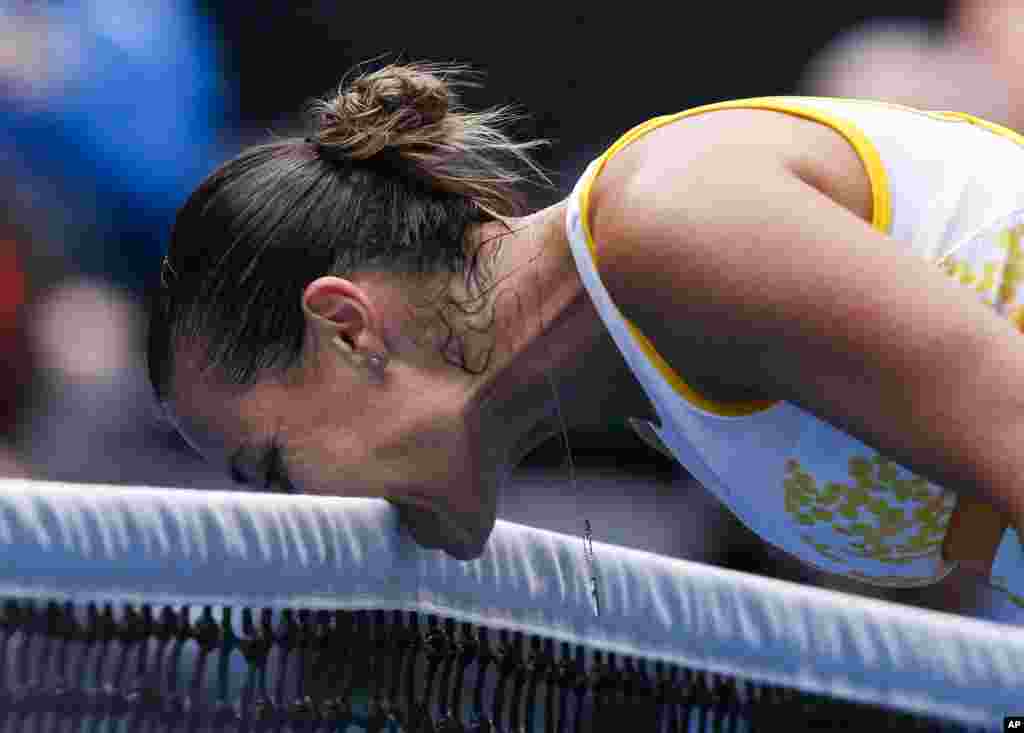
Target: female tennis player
x=810 y=303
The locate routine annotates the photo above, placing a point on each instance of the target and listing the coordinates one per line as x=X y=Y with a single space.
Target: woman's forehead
x=216 y=417
x=205 y=438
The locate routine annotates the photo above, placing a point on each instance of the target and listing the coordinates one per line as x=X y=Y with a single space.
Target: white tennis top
x=946 y=186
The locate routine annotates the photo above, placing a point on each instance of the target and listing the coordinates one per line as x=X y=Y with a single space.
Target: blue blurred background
x=111 y=112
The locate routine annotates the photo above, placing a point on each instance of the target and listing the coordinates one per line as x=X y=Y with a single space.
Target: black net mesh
x=89 y=667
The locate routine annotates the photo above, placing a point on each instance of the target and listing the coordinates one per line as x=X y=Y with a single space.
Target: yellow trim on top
x=942 y=115
x=990 y=126
x=881 y=219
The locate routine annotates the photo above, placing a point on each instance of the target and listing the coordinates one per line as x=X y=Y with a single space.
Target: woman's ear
x=331 y=300
x=337 y=309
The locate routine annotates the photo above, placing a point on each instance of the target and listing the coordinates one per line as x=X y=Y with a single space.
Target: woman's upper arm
x=739 y=256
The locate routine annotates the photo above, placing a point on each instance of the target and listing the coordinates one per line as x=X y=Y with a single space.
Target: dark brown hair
x=392 y=179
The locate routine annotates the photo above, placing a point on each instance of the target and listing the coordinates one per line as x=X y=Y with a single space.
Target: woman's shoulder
x=727 y=142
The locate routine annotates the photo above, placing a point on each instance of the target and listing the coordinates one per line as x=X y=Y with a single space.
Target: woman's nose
x=434 y=531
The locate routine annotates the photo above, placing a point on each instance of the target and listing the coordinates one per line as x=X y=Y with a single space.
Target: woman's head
x=294 y=264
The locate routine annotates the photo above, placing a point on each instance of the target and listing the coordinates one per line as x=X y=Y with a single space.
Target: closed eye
x=277 y=473
x=237 y=476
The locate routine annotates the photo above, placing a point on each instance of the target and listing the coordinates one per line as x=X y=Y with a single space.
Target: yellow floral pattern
x=999 y=281
x=884 y=514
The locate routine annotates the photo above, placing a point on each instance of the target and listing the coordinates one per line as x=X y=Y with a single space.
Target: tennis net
x=125 y=609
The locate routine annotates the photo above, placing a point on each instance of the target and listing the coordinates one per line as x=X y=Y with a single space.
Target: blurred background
x=111 y=112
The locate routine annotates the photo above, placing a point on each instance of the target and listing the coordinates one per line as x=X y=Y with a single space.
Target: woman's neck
x=547 y=331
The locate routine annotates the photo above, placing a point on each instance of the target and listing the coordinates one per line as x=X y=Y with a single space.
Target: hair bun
x=380 y=110
x=408 y=122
